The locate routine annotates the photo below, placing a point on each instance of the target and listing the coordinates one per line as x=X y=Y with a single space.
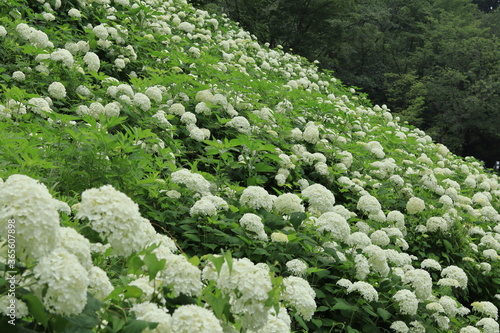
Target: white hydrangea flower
x=449 y=306
x=279 y=323
x=92 y=60
x=155 y=94
x=420 y=281
x=369 y=204
x=455 y=273
x=205 y=96
x=152 y=313
x=288 y=203
x=100 y=31
x=208 y=205
x=253 y=223
x=407 y=301
x=344 y=283
x=489 y=325
x=203 y=207
x=416 y=327
x=256 y=197
x=142 y=101
x=192 y=318
x=3 y=31
x=177 y=109
x=20 y=310
x=181 y=275
x=99 y=284
x=319 y=197
x=400 y=327
x=160 y=116
x=66 y=281
x=279 y=237
x=415 y=205
x=116 y=218
x=39 y=106
x=377 y=259
x=470 y=329
x=247 y=286
x=64 y=56
x=311 y=133
x=362 y=267
x=112 y=109
x=193 y=181
x=358 y=240
x=57 y=90
x=18 y=76
x=436 y=223
x=298 y=294
x=77 y=245
x=380 y=238
x=367 y=291
x=188 y=118
x=240 y=123
x=297 y=267
x=430 y=263
x=486 y=308
x=30 y=204
x=186 y=26
x=202 y=108
x=376 y=149
x=334 y=223
x=491 y=254
x=73 y=12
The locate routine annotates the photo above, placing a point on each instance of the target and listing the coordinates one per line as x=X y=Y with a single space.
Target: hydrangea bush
x=163 y=171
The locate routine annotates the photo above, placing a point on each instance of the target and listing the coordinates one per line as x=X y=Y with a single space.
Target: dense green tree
x=433 y=62
x=487 y=5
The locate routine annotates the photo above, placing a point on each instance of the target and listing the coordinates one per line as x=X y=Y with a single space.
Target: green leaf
x=384 y=313
x=343 y=305
x=264 y=167
x=448 y=245
x=322 y=273
x=229 y=260
x=217 y=261
x=137 y=326
x=36 y=309
x=297 y=218
x=317 y=322
x=153 y=264
x=195 y=260
x=192 y=237
x=128 y=292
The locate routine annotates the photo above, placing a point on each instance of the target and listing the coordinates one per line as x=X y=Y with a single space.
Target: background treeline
x=434 y=62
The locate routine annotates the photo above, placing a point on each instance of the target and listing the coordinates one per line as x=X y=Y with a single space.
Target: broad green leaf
x=384 y=313
x=341 y=304
x=36 y=309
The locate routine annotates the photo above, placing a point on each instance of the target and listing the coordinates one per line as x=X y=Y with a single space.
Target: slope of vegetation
x=164 y=172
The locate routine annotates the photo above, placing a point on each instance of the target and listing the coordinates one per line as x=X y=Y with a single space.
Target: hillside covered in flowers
x=163 y=171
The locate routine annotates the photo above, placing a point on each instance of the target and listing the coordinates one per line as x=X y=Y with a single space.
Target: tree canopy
x=435 y=63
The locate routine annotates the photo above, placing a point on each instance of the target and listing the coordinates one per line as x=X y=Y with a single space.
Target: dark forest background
x=434 y=63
